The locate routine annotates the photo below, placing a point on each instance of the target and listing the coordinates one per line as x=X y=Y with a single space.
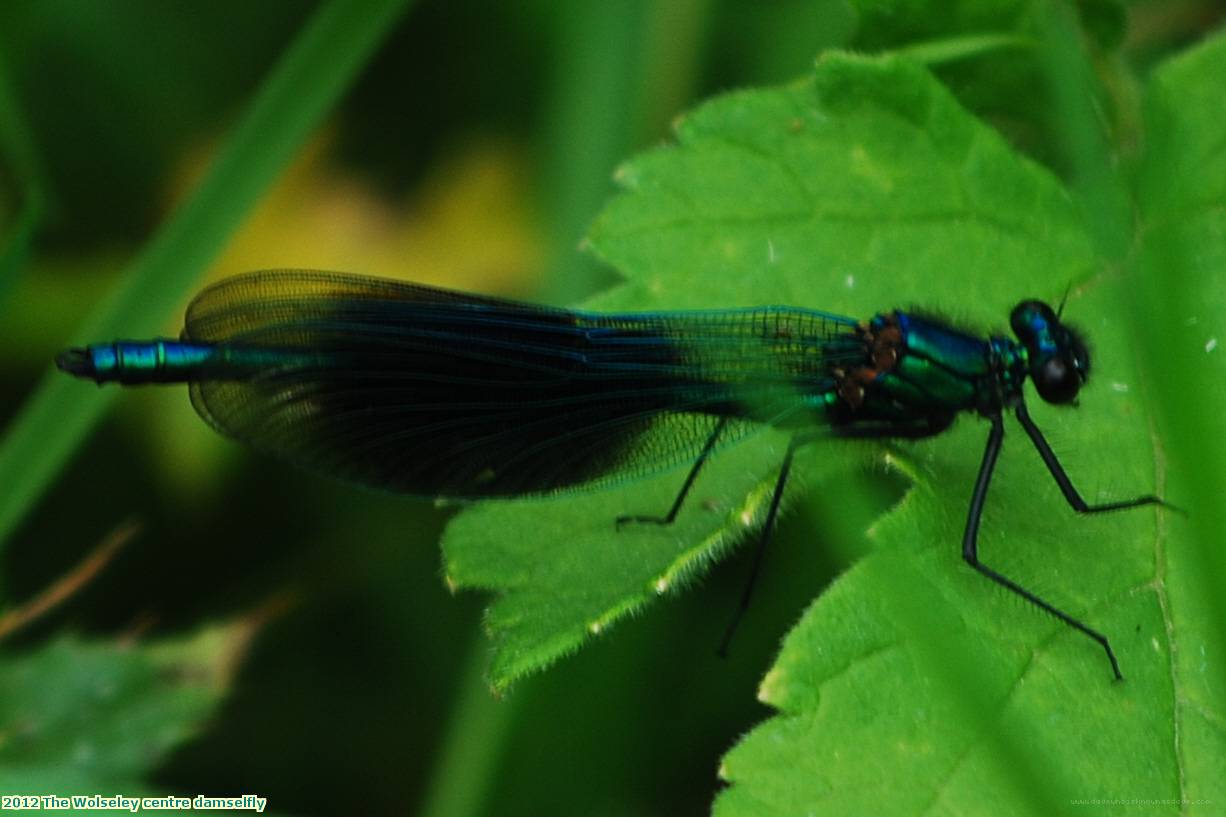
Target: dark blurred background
x=473 y=152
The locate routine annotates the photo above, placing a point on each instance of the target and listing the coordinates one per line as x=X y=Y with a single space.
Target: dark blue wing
x=439 y=393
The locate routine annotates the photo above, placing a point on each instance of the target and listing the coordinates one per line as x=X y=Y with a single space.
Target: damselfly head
x=1058 y=357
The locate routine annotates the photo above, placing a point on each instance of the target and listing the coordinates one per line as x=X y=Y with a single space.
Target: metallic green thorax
x=917 y=370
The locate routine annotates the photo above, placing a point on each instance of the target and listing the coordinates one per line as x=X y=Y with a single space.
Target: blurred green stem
x=17 y=146
x=1075 y=94
x=953 y=49
x=621 y=67
x=477 y=734
x=15 y=246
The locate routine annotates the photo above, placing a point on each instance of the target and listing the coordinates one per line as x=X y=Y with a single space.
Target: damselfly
x=445 y=394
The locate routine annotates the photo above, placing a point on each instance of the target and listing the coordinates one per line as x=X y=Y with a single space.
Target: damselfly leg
x=669 y=517
x=970 y=544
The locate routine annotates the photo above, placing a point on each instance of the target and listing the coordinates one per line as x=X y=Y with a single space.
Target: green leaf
x=84 y=717
x=909 y=671
x=815 y=195
x=991 y=54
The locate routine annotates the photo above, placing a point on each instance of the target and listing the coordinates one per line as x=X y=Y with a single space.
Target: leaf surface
x=864 y=189
x=83 y=717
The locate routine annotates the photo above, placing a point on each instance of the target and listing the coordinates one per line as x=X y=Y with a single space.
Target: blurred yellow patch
x=468 y=226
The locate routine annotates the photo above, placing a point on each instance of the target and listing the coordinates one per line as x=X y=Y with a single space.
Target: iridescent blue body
x=934 y=372
x=446 y=394
x=438 y=393
x=162 y=360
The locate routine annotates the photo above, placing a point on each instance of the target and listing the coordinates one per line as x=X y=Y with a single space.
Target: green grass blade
x=17 y=148
x=473 y=745
x=1077 y=98
x=302 y=88
x=600 y=105
x=953 y=49
x=15 y=247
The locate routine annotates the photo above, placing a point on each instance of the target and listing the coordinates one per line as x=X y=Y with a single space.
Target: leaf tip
x=768 y=690
x=625 y=176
